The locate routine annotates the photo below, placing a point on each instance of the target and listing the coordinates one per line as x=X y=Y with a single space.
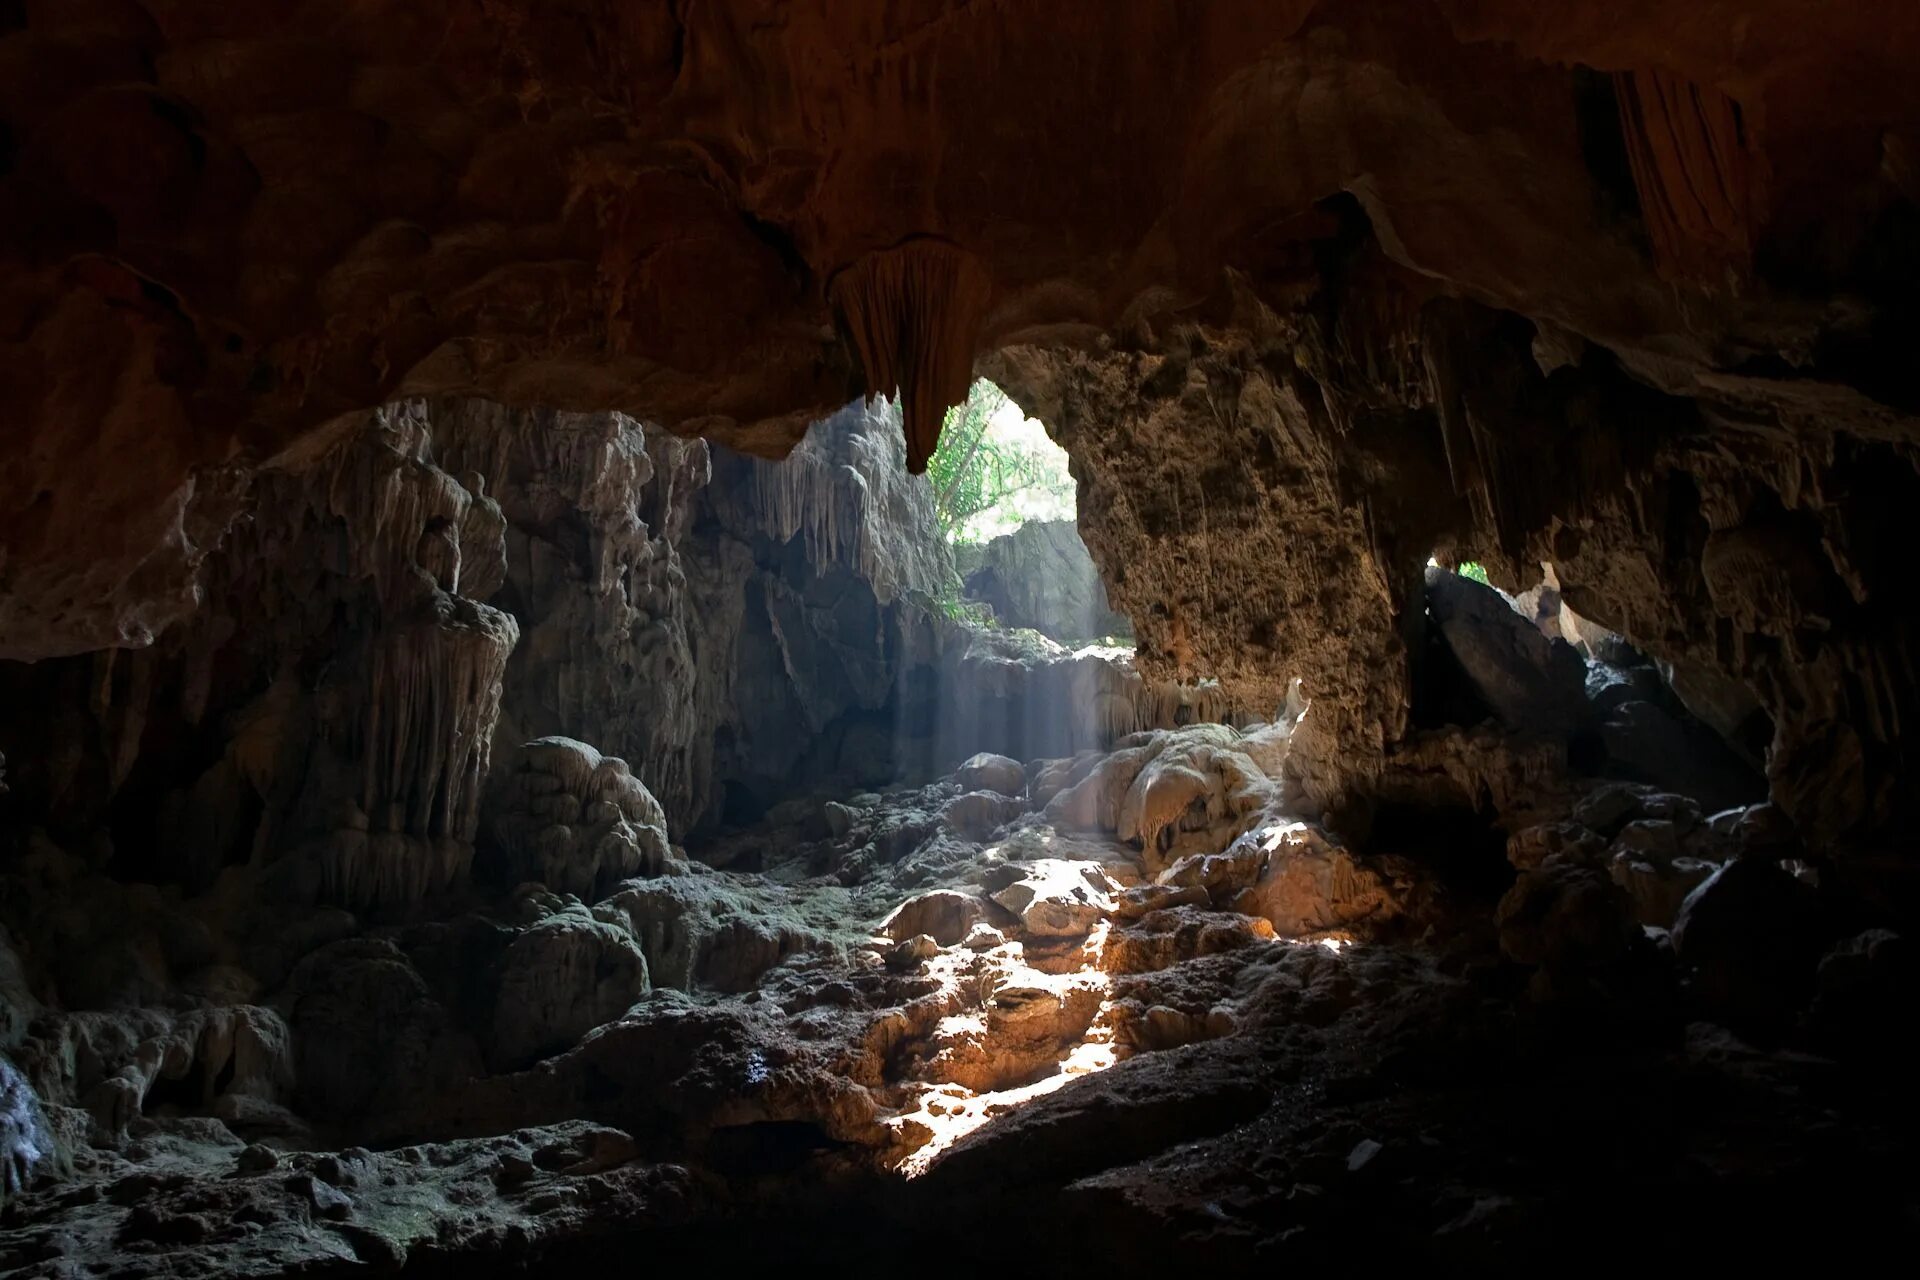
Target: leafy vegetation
x=1470 y=569
x=995 y=469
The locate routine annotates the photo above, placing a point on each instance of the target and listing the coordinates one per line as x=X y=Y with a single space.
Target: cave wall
x=1264 y=507
x=436 y=583
x=1650 y=277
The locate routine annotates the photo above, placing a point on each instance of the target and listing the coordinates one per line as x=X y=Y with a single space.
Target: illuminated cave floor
x=945 y=1028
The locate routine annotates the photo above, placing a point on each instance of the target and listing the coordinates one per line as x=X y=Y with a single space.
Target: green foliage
x=981 y=469
x=1469 y=569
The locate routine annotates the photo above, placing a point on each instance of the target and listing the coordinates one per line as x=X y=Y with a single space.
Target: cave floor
x=966 y=1027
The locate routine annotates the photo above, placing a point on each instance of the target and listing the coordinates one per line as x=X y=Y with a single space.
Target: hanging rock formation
x=914 y=315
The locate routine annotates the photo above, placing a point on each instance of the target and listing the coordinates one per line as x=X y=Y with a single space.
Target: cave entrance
x=1005 y=499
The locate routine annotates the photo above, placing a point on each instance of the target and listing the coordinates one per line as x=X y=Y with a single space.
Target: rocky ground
x=1120 y=1009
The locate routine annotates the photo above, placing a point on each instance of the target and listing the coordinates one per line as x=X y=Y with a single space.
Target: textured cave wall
x=332 y=705
x=436 y=583
x=225 y=229
x=1264 y=512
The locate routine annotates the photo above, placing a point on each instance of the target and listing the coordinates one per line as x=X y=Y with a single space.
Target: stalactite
x=1697 y=172
x=914 y=314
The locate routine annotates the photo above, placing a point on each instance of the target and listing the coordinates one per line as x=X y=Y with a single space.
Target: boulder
x=1059 y=899
x=989 y=772
x=708 y=930
x=368 y=1035
x=1752 y=936
x=563 y=977
x=1307 y=884
x=1530 y=846
x=1657 y=884
x=1649 y=744
x=945 y=915
x=978 y=814
x=1567 y=917
x=1529 y=682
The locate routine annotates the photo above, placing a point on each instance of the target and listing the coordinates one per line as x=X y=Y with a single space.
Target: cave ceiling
x=223 y=228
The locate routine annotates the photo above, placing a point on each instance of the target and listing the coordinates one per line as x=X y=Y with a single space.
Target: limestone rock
x=1040 y=576
x=978 y=814
x=707 y=930
x=1650 y=745
x=576 y=821
x=1308 y=884
x=368 y=1035
x=28 y=1148
x=566 y=975
x=1531 y=683
x=944 y=914
x=1058 y=899
x=989 y=772
x=1568 y=917
x=1170 y=935
x=1752 y=937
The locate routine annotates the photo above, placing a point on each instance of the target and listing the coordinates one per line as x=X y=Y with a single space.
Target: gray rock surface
x=1040 y=576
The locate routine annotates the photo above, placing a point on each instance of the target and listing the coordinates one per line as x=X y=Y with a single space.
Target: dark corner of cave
x=957 y=638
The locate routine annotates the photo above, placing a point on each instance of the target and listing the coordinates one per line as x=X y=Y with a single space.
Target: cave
x=534 y=739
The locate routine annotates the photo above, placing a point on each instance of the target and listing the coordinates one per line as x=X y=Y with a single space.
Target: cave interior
x=504 y=766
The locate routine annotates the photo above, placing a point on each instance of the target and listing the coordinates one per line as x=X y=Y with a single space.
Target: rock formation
x=1041 y=577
